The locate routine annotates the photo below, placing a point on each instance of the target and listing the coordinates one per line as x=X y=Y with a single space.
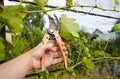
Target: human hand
x=51 y=52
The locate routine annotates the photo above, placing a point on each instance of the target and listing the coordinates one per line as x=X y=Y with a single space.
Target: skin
x=17 y=68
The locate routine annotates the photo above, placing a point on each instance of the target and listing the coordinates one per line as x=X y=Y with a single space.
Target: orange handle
x=59 y=41
x=44 y=41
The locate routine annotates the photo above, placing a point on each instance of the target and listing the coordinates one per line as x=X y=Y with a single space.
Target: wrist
x=28 y=57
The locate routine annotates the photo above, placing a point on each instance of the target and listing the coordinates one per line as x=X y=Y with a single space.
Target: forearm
x=16 y=68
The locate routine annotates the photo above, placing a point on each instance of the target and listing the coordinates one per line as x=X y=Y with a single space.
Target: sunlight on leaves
x=68 y=28
x=13 y=17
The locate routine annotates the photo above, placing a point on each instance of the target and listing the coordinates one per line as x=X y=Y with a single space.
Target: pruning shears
x=52 y=33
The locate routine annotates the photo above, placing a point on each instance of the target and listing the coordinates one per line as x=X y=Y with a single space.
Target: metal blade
x=52 y=23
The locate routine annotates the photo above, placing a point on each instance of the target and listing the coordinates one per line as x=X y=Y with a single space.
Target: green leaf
x=22 y=1
x=68 y=28
x=88 y=63
x=13 y=17
x=20 y=45
x=68 y=3
x=60 y=76
x=15 y=25
x=1 y=25
x=116 y=2
x=116 y=27
x=41 y=3
x=2 y=50
x=71 y=71
x=99 y=53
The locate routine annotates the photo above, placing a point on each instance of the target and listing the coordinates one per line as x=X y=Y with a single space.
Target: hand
x=51 y=51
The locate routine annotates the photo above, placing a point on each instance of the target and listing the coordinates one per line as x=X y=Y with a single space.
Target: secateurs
x=53 y=32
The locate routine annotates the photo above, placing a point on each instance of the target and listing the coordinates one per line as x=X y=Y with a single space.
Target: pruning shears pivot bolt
x=51 y=31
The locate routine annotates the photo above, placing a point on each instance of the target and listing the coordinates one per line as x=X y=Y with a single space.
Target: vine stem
x=96 y=59
x=53 y=9
x=106 y=46
x=76 y=64
x=118 y=58
x=78 y=5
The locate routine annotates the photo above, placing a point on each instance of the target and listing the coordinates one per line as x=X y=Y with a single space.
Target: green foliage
x=32 y=35
x=116 y=27
x=13 y=17
x=117 y=2
x=99 y=53
x=45 y=75
x=41 y=3
x=88 y=63
x=21 y=1
x=82 y=51
x=60 y=76
x=2 y=50
x=68 y=3
x=20 y=45
x=68 y=28
x=71 y=71
x=85 y=50
x=34 y=19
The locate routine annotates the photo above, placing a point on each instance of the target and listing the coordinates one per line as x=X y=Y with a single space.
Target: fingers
x=58 y=60
x=56 y=51
x=58 y=54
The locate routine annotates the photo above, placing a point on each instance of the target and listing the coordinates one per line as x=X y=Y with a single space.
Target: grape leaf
x=71 y=71
x=99 y=53
x=15 y=25
x=13 y=17
x=116 y=27
x=88 y=63
x=2 y=51
x=41 y=3
x=68 y=28
x=68 y=3
x=116 y=2
x=22 y=1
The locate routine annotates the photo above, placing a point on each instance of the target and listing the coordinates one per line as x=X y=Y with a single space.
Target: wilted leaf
x=68 y=28
x=2 y=50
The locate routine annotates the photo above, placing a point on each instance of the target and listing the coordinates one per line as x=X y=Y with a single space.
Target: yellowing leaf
x=68 y=28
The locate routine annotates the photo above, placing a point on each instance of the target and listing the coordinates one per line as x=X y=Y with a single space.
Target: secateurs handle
x=44 y=41
x=59 y=42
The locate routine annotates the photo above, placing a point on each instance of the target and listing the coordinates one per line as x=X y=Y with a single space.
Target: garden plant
x=86 y=56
